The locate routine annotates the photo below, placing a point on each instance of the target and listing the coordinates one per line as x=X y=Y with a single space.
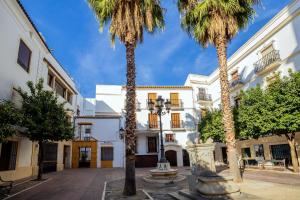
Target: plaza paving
x=88 y=184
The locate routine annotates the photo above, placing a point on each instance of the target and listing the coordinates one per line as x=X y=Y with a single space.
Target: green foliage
x=44 y=118
x=255 y=118
x=284 y=95
x=208 y=19
x=211 y=126
x=275 y=110
x=10 y=118
x=128 y=19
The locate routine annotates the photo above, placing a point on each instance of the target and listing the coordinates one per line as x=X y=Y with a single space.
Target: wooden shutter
x=152 y=118
x=152 y=145
x=152 y=96
x=175 y=120
x=174 y=97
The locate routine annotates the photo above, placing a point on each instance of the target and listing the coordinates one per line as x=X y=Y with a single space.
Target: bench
x=5 y=186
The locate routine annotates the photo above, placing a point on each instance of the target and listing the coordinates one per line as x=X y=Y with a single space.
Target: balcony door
x=175 y=117
x=174 y=97
x=153 y=120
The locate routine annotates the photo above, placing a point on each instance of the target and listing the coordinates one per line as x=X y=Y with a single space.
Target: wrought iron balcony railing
x=176 y=103
x=177 y=124
x=266 y=61
x=204 y=97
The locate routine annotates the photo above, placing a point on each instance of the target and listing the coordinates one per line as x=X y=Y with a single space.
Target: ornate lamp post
x=160 y=107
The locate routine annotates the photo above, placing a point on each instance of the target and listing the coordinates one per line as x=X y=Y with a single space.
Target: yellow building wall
x=75 y=152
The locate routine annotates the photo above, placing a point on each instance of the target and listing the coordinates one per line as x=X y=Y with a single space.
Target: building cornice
x=240 y=55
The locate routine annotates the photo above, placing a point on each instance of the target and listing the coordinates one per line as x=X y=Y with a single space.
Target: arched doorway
x=186 y=158
x=171 y=156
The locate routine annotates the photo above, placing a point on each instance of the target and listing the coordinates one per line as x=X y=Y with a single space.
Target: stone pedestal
x=204 y=181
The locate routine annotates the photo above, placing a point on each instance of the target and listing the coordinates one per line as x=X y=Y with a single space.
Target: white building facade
x=24 y=56
x=105 y=114
x=272 y=50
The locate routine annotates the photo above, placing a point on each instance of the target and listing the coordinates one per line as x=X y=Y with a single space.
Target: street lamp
x=160 y=107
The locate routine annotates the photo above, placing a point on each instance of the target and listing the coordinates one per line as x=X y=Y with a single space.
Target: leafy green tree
x=274 y=111
x=128 y=19
x=10 y=118
x=255 y=116
x=44 y=118
x=211 y=126
x=285 y=107
x=216 y=22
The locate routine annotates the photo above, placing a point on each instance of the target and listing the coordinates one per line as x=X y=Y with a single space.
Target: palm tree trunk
x=40 y=161
x=130 y=126
x=292 y=143
x=221 y=45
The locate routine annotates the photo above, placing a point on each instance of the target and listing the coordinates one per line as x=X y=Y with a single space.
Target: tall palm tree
x=128 y=19
x=216 y=22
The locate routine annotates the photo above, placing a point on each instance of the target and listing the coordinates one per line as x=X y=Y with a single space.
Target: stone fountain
x=204 y=181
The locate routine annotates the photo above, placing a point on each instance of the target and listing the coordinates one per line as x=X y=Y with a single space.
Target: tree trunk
x=221 y=45
x=40 y=161
x=295 y=162
x=130 y=124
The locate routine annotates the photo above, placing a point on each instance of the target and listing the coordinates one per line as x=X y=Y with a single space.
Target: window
x=267 y=50
x=170 y=138
x=107 y=153
x=152 y=96
x=175 y=123
x=59 y=89
x=50 y=79
x=24 y=56
x=235 y=75
x=246 y=152
x=259 y=150
x=88 y=130
x=69 y=97
x=174 y=97
x=8 y=156
x=152 y=145
x=202 y=91
x=152 y=120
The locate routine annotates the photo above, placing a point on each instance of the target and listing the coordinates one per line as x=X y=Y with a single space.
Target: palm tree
x=128 y=19
x=216 y=22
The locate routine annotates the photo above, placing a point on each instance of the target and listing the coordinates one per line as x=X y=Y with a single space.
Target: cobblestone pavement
x=87 y=184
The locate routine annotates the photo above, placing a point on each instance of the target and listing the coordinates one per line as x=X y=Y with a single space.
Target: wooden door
x=107 y=157
x=152 y=120
x=175 y=117
x=174 y=98
x=171 y=156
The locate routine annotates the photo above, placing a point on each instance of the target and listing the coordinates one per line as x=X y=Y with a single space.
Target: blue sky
x=166 y=58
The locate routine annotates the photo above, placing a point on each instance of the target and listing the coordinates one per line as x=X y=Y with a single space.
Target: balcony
x=236 y=84
x=176 y=104
x=205 y=99
x=267 y=63
x=153 y=125
x=177 y=125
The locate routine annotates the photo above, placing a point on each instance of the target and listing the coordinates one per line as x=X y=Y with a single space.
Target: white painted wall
x=283 y=31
